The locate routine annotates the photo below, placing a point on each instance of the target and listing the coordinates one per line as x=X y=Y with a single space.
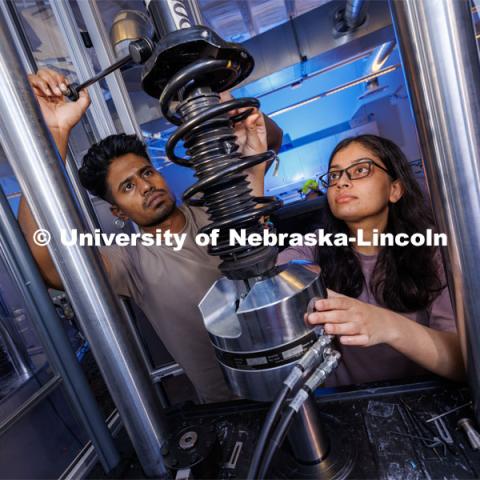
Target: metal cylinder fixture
x=259 y=334
x=26 y=142
x=128 y=26
x=442 y=69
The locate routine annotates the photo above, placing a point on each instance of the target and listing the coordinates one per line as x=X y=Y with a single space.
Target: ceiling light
x=340 y=88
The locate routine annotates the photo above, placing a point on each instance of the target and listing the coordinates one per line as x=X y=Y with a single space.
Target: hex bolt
x=470 y=430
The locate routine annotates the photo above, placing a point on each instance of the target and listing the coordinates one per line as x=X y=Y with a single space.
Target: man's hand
x=251 y=133
x=251 y=136
x=60 y=114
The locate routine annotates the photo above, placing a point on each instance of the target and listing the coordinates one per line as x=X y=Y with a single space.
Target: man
x=166 y=284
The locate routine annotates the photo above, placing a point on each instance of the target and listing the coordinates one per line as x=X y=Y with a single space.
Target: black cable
x=297 y=378
x=265 y=432
x=276 y=442
x=331 y=358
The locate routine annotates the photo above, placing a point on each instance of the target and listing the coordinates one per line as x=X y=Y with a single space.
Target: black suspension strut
x=209 y=139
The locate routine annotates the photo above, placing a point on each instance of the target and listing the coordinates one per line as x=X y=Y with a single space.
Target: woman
x=393 y=300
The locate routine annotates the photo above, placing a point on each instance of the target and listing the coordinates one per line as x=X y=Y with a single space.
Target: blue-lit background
x=311 y=131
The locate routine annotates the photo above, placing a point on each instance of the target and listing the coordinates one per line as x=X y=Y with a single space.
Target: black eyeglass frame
x=360 y=161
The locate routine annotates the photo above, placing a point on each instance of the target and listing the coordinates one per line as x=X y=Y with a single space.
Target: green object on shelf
x=310 y=185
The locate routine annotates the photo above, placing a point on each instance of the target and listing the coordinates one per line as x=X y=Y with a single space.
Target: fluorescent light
x=366 y=78
x=358 y=81
x=296 y=105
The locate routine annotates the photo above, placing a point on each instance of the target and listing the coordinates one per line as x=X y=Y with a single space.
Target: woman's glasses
x=356 y=171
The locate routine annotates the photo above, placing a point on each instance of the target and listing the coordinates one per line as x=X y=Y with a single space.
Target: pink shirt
x=379 y=362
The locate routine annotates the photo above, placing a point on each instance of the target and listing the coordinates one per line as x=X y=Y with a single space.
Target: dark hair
x=94 y=170
x=405 y=279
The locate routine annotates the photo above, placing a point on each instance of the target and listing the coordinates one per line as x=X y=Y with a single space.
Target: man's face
x=138 y=192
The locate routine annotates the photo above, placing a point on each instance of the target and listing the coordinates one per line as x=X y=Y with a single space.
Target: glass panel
x=50 y=51
x=43 y=442
x=50 y=430
x=21 y=353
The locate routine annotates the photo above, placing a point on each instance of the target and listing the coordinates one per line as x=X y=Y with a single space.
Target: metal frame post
x=442 y=69
x=101 y=41
x=52 y=334
x=35 y=162
x=103 y=121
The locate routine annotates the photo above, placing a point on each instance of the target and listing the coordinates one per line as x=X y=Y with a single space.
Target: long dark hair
x=412 y=281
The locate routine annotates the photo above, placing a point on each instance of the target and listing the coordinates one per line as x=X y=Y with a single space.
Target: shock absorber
x=210 y=142
x=254 y=315
x=190 y=99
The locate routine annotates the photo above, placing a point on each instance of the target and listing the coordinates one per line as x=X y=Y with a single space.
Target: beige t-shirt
x=168 y=285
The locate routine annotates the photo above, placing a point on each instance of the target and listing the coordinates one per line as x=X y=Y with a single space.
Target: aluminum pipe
x=354 y=13
x=106 y=56
x=442 y=69
x=195 y=12
x=27 y=144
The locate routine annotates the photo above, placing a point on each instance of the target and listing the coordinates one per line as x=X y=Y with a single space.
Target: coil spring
x=209 y=139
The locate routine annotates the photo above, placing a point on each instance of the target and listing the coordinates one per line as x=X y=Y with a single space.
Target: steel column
x=102 y=120
x=106 y=56
x=442 y=69
x=36 y=164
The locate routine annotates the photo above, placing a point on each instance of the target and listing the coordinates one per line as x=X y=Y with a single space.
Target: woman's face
x=357 y=200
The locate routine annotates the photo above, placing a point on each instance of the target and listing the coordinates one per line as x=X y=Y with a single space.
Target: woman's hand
x=361 y=324
x=353 y=321
x=60 y=114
